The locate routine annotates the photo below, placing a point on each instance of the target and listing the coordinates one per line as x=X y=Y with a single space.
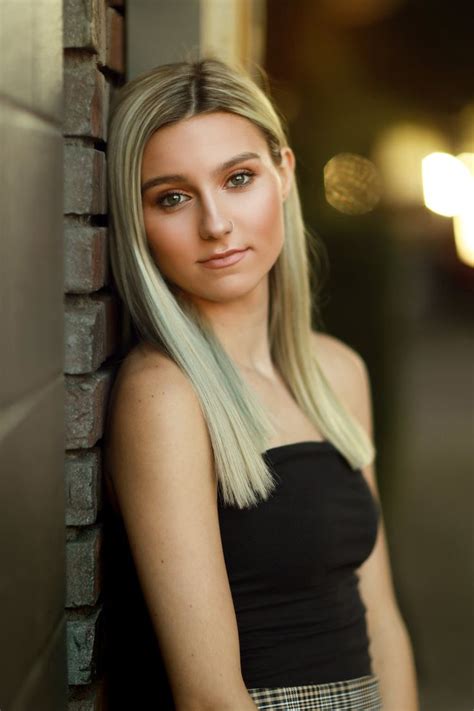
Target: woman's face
x=210 y=188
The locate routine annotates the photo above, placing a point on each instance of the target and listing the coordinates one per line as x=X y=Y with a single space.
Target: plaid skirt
x=361 y=694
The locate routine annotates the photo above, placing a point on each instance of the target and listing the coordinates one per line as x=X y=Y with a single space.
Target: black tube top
x=291 y=563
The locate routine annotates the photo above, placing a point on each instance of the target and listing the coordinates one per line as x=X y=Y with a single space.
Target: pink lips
x=225 y=259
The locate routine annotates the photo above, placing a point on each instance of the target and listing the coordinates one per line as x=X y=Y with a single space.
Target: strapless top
x=292 y=563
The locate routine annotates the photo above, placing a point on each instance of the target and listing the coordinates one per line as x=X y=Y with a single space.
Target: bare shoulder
x=149 y=379
x=152 y=411
x=347 y=373
x=144 y=362
x=343 y=366
x=336 y=354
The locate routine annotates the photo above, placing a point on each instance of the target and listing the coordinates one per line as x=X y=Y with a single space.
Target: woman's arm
x=390 y=646
x=160 y=461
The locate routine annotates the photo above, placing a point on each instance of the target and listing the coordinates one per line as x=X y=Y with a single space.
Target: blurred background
x=370 y=89
x=378 y=96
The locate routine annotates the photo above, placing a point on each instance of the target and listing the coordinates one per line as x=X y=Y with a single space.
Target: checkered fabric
x=361 y=694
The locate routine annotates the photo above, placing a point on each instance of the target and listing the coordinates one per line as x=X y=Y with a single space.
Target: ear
x=286 y=170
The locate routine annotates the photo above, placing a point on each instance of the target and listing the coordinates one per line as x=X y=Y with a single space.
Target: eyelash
x=160 y=200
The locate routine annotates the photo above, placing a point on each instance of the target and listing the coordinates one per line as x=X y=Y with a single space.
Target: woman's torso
x=291 y=563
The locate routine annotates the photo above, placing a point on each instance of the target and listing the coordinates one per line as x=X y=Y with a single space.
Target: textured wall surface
x=93 y=68
x=32 y=537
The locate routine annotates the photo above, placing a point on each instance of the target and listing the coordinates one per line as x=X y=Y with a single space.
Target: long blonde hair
x=237 y=424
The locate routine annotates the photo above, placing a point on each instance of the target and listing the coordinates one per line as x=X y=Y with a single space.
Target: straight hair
x=238 y=426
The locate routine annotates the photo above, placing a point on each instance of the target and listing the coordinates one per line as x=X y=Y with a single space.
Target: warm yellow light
x=464 y=235
x=398 y=153
x=468 y=160
x=447 y=184
x=351 y=183
x=464 y=222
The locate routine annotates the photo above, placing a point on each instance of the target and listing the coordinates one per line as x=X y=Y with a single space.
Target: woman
x=239 y=454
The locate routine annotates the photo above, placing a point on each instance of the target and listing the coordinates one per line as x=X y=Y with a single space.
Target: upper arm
x=160 y=462
x=348 y=376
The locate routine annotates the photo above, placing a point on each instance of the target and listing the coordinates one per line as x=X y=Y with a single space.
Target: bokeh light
x=447 y=184
x=464 y=235
x=468 y=160
x=463 y=223
x=398 y=153
x=352 y=184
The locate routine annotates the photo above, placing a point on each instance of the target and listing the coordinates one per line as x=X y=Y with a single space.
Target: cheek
x=265 y=216
x=164 y=239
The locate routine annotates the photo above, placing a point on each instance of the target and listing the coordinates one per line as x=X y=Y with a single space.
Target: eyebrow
x=160 y=179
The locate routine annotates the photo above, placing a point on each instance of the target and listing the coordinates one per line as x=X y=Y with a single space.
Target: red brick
x=90 y=331
x=85 y=26
x=115 y=58
x=83 y=486
x=86 y=262
x=84 y=180
x=85 y=97
x=83 y=571
x=85 y=407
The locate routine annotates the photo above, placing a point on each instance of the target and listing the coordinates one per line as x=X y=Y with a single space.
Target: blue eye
x=243 y=177
x=170 y=200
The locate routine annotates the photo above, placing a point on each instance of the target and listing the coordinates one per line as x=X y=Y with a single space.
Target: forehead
x=205 y=139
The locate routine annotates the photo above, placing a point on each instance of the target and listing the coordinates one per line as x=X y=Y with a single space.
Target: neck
x=242 y=328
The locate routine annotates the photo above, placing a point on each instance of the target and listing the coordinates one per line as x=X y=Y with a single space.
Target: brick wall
x=93 y=68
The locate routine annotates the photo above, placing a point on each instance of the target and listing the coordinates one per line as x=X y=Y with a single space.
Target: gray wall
x=32 y=536
x=159 y=33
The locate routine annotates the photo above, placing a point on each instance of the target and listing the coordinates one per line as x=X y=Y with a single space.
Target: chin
x=226 y=293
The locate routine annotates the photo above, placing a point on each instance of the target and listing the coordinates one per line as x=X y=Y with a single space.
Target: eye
x=171 y=199
x=243 y=177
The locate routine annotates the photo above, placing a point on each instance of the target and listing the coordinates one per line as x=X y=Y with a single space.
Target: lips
x=224 y=259
x=222 y=255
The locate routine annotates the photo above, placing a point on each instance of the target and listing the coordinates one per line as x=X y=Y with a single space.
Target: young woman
x=253 y=570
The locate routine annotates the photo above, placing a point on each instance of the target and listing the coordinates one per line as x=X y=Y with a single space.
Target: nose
x=213 y=224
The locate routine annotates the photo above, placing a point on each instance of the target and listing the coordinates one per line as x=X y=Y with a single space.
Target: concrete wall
x=32 y=537
x=176 y=30
x=94 y=56
x=160 y=32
